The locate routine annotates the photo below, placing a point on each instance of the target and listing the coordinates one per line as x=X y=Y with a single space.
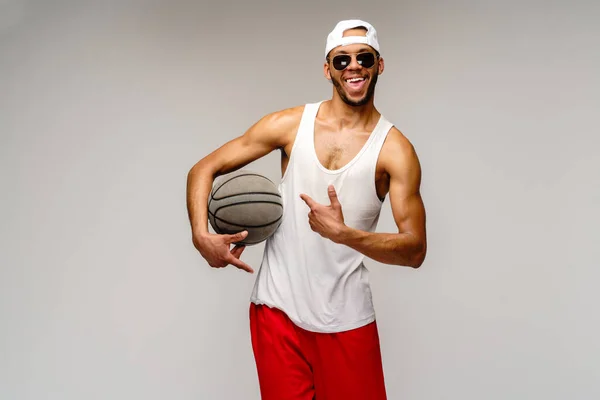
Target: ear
x=381 y=65
x=326 y=71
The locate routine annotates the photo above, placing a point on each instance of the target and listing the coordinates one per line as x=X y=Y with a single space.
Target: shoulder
x=398 y=155
x=277 y=127
x=283 y=119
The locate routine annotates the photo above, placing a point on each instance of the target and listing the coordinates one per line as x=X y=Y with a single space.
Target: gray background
x=104 y=107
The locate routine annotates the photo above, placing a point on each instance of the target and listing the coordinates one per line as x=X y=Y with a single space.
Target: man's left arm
x=408 y=246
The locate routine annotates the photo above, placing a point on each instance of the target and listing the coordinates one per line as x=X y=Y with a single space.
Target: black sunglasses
x=341 y=61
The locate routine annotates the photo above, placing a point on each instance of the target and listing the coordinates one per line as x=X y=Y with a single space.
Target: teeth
x=355 y=79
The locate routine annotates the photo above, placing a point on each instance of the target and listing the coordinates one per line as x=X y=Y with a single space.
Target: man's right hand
x=275 y=131
x=216 y=250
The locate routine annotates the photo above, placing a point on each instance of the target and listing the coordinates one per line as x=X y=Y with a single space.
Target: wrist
x=344 y=234
x=200 y=231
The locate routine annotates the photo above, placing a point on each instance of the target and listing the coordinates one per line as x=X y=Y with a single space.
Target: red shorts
x=295 y=364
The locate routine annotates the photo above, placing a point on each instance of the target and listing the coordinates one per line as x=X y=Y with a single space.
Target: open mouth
x=356 y=83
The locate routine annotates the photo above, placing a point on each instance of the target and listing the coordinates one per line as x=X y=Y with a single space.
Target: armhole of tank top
x=304 y=119
x=387 y=127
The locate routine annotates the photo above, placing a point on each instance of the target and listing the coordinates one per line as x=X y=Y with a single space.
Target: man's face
x=355 y=84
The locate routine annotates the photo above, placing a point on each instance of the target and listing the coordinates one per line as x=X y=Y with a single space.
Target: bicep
x=405 y=195
x=266 y=135
x=239 y=152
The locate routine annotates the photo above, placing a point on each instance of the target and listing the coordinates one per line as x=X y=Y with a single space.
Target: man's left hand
x=326 y=220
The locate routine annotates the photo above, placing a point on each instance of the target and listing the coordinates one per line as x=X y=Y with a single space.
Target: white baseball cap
x=336 y=36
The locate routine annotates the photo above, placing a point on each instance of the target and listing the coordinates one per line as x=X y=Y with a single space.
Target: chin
x=356 y=101
x=359 y=100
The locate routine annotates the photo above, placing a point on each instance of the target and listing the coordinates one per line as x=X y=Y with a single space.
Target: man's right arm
x=274 y=131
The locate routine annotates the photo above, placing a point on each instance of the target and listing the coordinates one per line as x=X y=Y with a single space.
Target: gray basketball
x=245 y=200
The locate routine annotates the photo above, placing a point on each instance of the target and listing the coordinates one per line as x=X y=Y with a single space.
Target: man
x=313 y=327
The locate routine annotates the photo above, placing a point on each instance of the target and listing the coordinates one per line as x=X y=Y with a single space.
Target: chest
x=335 y=149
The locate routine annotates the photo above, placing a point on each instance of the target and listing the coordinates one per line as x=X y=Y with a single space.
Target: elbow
x=194 y=171
x=418 y=257
x=200 y=169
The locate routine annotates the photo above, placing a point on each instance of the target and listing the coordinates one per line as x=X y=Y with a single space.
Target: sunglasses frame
x=355 y=56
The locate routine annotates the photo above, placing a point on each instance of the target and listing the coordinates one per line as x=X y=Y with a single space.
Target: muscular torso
x=336 y=147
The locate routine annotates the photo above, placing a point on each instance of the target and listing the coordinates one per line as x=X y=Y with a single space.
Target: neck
x=352 y=116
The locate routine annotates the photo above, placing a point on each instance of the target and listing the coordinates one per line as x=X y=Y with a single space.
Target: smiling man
x=312 y=320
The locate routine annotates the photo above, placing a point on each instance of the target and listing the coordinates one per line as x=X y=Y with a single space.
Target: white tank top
x=322 y=286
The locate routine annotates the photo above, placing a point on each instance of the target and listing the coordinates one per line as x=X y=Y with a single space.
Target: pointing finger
x=309 y=201
x=239 y=264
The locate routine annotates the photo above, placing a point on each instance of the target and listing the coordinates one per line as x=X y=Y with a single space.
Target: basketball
x=245 y=200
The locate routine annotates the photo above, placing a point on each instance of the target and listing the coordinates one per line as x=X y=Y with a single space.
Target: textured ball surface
x=245 y=200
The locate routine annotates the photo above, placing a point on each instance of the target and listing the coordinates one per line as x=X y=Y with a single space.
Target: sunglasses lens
x=340 y=62
x=366 y=60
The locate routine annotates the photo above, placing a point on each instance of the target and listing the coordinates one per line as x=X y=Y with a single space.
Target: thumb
x=335 y=202
x=236 y=237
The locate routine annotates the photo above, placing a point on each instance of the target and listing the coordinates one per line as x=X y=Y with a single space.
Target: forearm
x=403 y=249
x=199 y=185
